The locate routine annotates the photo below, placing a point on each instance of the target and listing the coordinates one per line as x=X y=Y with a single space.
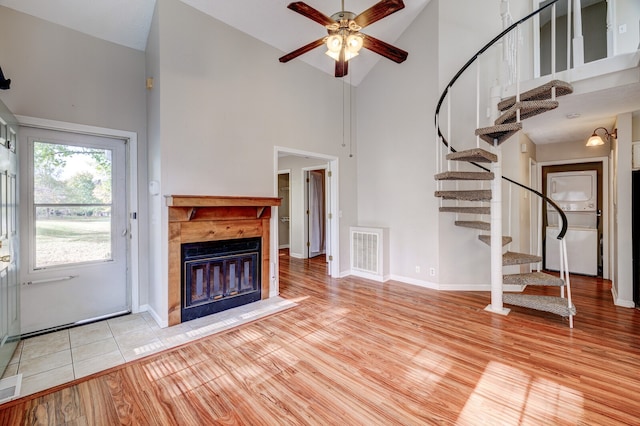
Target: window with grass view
x=72 y=204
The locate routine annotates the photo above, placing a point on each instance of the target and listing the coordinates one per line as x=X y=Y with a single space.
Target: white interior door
x=316 y=212
x=75 y=228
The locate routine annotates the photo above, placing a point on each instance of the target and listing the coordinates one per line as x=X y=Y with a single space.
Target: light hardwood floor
x=357 y=352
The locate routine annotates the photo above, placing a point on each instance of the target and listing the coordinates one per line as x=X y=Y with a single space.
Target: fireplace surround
x=202 y=219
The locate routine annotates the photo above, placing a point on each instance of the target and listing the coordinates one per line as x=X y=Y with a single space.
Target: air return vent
x=10 y=388
x=369 y=253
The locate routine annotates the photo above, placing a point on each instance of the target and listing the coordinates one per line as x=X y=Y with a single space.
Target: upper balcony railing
x=584 y=31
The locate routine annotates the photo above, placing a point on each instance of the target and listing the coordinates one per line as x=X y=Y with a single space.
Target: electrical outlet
x=432 y=272
x=417 y=269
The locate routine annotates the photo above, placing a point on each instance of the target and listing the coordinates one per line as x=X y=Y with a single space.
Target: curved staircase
x=471 y=204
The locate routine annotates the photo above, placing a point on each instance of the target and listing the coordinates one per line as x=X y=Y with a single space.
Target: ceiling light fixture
x=596 y=140
x=345 y=37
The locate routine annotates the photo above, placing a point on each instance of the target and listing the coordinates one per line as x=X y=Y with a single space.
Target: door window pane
x=72 y=204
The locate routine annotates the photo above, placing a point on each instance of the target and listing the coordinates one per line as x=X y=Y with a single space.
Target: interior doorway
x=581 y=226
x=322 y=170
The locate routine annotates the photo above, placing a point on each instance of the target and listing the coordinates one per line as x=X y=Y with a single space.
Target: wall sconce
x=596 y=140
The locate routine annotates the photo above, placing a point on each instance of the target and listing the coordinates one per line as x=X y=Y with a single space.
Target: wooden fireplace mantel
x=197 y=218
x=220 y=201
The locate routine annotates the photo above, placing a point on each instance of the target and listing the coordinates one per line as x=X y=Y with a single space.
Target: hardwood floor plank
x=360 y=352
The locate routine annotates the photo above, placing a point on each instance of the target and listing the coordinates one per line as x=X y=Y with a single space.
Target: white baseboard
x=296 y=255
x=161 y=323
x=416 y=282
x=621 y=302
x=368 y=276
x=283 y=246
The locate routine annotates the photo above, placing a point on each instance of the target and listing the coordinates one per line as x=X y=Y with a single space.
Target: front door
x=75 y=228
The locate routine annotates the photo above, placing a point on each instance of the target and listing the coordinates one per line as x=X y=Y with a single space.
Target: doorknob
x=5 y=258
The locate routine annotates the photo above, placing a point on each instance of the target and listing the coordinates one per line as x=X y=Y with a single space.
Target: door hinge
x=307 y=180
x=330 y=216
x=330 y=258
x=329 y=173
x=307 y=211
x=308 y=244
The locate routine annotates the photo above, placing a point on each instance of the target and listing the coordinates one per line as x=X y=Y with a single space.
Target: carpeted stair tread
x=470 y=210
x=533 y=278
x=527 y=109
x=456 y=175
x=514 y=258
x=500 y=132
x=475 y=155
x=539 y=93
x=475 y=224
x=473 y=195
x=555 y=305
x=487 y=239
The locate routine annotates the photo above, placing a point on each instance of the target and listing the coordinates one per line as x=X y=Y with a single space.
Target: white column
x=496 y=237
x=578 y=40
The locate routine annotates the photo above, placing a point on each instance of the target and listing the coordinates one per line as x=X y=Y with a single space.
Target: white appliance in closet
x=576 y=193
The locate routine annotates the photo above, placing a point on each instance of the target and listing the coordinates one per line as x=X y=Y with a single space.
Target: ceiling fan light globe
x=334 y=43
x=354 y=43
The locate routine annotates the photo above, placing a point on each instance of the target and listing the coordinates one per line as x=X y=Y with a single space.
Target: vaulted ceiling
x=127 y=22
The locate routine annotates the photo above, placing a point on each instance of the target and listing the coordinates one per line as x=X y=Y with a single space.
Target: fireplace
x=225 y=244
x=219 y=275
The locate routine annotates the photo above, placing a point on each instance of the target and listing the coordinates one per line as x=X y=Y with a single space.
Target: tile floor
x=62 y=356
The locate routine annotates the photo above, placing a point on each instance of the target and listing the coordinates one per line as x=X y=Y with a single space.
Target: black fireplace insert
x=219 y=275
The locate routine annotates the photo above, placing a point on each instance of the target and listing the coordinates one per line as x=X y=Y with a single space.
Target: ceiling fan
x=345 y=39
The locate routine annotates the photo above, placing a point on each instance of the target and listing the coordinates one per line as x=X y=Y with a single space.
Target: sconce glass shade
x=595 y=140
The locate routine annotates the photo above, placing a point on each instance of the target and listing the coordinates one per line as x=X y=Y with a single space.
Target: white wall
x=627 y=12
x=396 y=146
x=636 y=126
x=395 y=105
x=572 y=150
x=225 y=103
x=157 y=302
x=622 y=287
x=64 y=75
x=464 y=28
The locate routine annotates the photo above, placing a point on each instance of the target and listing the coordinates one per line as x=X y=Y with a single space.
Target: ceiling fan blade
x=342 y=66
x=378 y=11
x=305 y=10
x=301 y=50
x=381 y=48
